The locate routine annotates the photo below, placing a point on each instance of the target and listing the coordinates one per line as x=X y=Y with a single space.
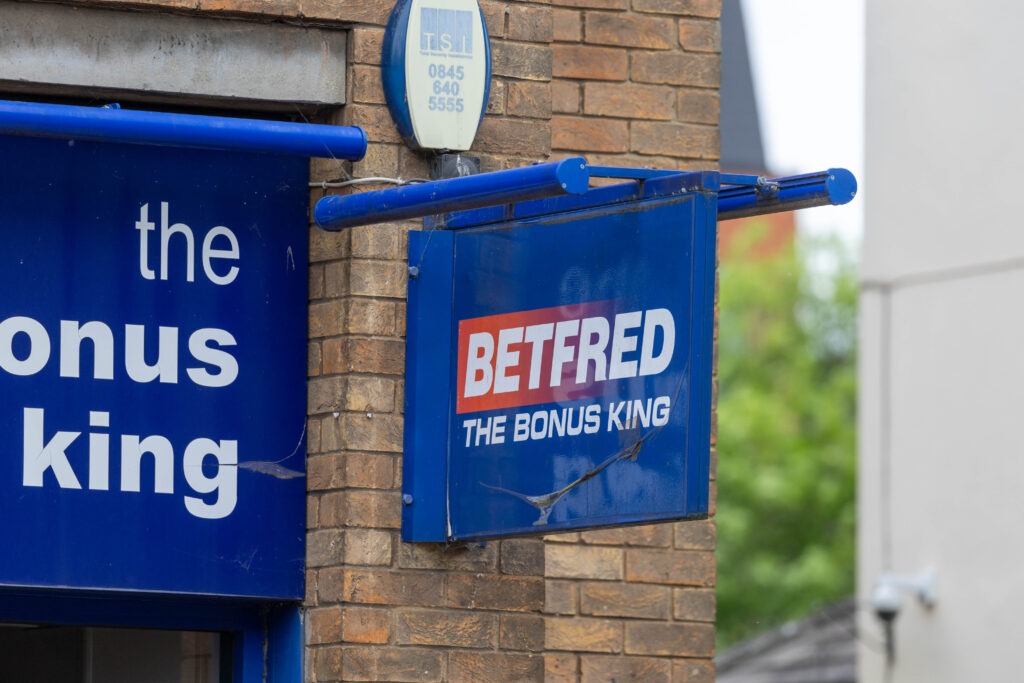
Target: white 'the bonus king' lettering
x=220 y=477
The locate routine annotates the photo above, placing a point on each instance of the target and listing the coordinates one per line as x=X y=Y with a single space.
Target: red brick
x=366 y=625
x=560 y=597
x=377 y=433
x=325 y=245
x=595 y=4
x=316 y=281
x=529 y=99
x=528 y=23
x=678 y=139
x=326 y=319
x=175 y=4
x=372 y=316
x=374 y=119
x=314 y=359
x=513 y=136
x=672 y=640
x=494 y=18
x=694 y=604
x=671 y=567
x=700 y=35
x=561 y=668
x=471 y=558
x=325 y=394
x=381 y=587
x=630 y=30
x=313 y=436
x=522 y=556
x=614 y=599
x=582 y=134
x=583 y=562
x=479 y=667
x=380 y=160
x=497 y=98
x=364 y=44
x=370 y=394
x=383 y=356
x=369 y=470
x=274 y=8
x=348 y=11
x=379 y=278
x=626 y=100
x=677 y=68
x=325 y=472
x=324 y=625
x=604 y=668
x=336 y=279
x=326 y=663
x=696 y=535
x=578 y=634
x=521 y=60
x=589 y=62
x=325 y=547
x=393 y=664
x=365 y=85
x=650 y=535
x=565 y=97
x=521 y=632
x=567 y=26
x=693 y=671
x=383 y=240
x=483 y=591
x=373 y=509
x=710 y=9
x=698 y=106
x=367 y=547
x=448 y=628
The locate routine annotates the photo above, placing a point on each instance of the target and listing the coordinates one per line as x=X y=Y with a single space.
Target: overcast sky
x=808 y=64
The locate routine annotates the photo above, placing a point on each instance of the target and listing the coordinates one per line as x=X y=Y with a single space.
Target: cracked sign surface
x=582 y=370
x=152 y=367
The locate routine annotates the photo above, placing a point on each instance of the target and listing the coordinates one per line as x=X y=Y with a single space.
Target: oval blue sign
x=436 y=70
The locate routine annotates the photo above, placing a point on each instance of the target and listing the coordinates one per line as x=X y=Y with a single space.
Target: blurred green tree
x=786 y=434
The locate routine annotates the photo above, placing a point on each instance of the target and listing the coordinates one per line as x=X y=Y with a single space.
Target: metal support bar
x=834 y=186
x=569 y=176
x=113 y=124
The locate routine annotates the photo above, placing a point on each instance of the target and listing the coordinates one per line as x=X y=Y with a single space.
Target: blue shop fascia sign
x=153 y=351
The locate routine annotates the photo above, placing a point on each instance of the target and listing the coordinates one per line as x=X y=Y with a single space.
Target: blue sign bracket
x=520 y=192
x=113 y=124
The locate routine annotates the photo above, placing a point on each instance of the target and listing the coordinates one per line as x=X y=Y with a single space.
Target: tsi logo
x=446 y=30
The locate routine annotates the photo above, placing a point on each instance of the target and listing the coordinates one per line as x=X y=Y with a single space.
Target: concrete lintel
x=62 y=50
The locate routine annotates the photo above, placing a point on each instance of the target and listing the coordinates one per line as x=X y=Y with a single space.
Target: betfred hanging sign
x=436 y=70
x=152 y=365
x=559 y=369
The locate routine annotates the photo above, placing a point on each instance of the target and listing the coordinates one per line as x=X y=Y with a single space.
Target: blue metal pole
x=569 y=176
x=834 y=186
x=112 y=124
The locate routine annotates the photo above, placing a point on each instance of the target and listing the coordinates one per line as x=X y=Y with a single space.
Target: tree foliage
x=786 y=436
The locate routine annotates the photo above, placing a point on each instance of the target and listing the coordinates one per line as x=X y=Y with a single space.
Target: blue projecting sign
x=152 y=365
x=559 y=369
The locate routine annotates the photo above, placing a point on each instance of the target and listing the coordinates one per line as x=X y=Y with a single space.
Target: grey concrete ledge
x=153 y=56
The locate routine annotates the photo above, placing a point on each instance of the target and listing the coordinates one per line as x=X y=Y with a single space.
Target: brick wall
x=381 y=610
x=635 y=83
x=628 y=82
